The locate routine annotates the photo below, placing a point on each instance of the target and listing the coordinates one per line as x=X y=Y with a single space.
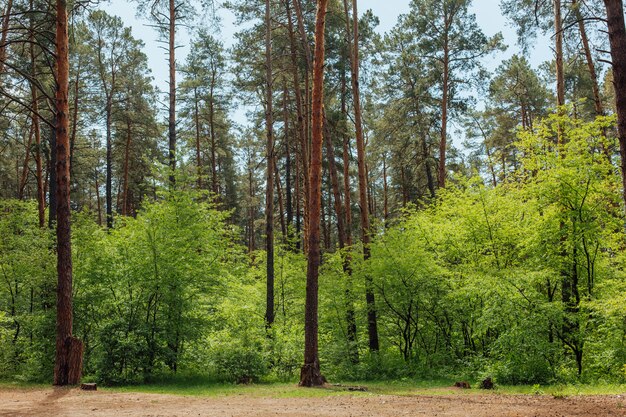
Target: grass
x=196 y=386
x=205 y=387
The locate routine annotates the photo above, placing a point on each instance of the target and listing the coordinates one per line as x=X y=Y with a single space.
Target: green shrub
x=239 y=364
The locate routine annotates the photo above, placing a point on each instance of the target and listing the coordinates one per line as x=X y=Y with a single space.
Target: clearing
x=74 y=402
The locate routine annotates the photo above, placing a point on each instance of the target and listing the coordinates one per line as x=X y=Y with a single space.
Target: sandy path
x=73 y=402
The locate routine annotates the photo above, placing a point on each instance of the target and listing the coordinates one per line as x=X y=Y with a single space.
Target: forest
x=320 y=201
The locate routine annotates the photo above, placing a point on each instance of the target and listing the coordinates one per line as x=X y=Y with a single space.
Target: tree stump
x=89 y=386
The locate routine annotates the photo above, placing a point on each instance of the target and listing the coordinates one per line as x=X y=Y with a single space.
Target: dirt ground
x=74 y=402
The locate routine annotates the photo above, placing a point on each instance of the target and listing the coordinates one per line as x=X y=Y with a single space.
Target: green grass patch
x=207 y=387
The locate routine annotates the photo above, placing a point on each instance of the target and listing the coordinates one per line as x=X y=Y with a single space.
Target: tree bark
x=5 y=32
x=172 y=92
x=269 y=154
x=24 y=178
x=281 y=203
x=99 y=204
x=126 y=167
x=385 y=192
x=442 y=173
x=346 y=164
x=52 y=178
x=197 y=126
x=109 y=165
x=310 y=373
x=558 y=31
x=68 y=358
x=617 y=40
x=214 y=179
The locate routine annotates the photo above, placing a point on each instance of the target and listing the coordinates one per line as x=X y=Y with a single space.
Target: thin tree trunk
x=126 y=168
x=385 y=192
x=99 y=204
x=288 y=195
x=617 y=40
x=251 y=241
x=197 y=123
x=442 y=173
x=5 y=32
x=75 y=115
x=52 y=178
x=346 y=165
x=172 y=91
x=323 y=222
x=310 y=373
x=109 y=165
x=560 y=77
x=24 y=178
x=41 y=196
x=281 y=203
x=269 y=154
x=429 y=175
x=68 y=358
x=214 y=179
x=299 y=198
x=363 y=203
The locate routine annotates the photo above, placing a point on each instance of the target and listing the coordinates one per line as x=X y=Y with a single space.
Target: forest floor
x=44 y=401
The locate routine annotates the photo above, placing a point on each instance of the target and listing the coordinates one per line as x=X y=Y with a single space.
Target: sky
x=487 y=13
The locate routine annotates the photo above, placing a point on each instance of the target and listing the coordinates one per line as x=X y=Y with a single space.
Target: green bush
x=239 y=364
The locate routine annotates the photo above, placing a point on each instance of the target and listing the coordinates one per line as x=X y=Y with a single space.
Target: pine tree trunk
x=41 y=193
x=3 y=37
x=75 y=116
x=109 y=166
x=172 y=92
x=385 y=192
x=442 y=173
x=126 y=168
x=68 y=357
x=558 y=47
x=24 y=178
x=346 y=164
x=214 y=179
x=196 y=114
x=281 y=202
x=269 y=155
x=310 y=373
x=99 y=204
x=52 y=177
x=617 y=40
x=41 y=197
